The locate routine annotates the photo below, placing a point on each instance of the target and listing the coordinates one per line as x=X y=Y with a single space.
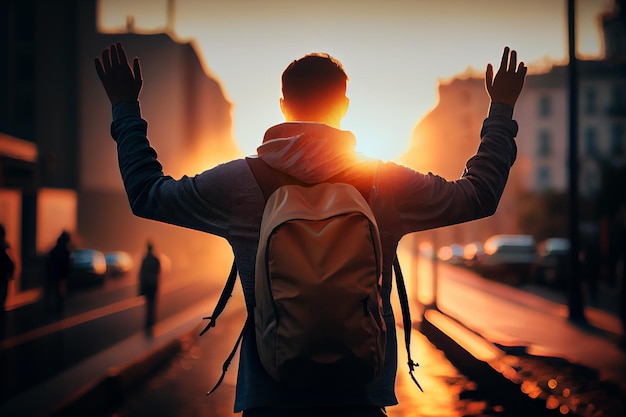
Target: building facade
x=543 y=137
x=52 y=103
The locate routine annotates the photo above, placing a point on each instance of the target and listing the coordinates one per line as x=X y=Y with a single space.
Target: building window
x=545 y=107
x=618 y=101
x=617 y=140
x=590 y=102
x=619 y=97
x=591 y=182
x=543 y=178
x=591 y=141
x=544 y=143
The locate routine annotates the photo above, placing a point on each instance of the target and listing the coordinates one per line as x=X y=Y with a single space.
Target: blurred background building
x=58 y=164
x=535 y=200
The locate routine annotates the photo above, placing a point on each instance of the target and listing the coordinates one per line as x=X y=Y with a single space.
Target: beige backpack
x=318 y=309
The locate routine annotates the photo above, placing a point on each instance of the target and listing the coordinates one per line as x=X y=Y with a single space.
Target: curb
x=111 y=390
x=489 y=366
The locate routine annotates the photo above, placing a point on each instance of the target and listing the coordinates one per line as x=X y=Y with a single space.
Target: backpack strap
x=406 y=318
x=227 y=292
x=268 y=183
x=263 y=175
x=268 y=178
x=230 y=357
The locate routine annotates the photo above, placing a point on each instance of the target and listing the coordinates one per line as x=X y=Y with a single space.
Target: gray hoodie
x=227 y=201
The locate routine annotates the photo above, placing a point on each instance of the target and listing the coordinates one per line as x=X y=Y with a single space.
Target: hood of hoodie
x=310 y=152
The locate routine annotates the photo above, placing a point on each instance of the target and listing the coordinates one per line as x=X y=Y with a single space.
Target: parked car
x=88 y=268
x=508 y=257
x=118 y=262
x=550 y=264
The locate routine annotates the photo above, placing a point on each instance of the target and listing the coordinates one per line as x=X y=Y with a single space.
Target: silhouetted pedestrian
x=7 y=269
x=149 y=275
x=57 y=270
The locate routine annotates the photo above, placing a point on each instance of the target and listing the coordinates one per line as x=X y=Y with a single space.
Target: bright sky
x=393 y=51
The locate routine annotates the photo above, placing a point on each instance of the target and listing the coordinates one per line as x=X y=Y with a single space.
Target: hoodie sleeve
x=156 y=196
x=426 y=201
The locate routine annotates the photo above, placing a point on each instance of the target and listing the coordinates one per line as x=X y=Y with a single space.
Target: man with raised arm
x=310 y=147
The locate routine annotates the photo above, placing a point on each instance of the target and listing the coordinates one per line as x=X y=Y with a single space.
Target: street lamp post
x=435 y=275
x=574 y=296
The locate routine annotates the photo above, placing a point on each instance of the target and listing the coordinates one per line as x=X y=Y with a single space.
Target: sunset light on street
x=337 y=208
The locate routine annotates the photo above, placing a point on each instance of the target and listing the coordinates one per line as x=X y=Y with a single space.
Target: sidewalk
x=532 y=356
x=524 y=348
x=102 y=378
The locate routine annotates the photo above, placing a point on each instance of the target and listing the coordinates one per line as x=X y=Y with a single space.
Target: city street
x=504 y=314
x=180 y=388
x=98 y=318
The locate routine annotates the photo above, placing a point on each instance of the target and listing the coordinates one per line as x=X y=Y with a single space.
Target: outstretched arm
x=151 y=193
x=477 y=193
x=119 y=81
x=509 y=80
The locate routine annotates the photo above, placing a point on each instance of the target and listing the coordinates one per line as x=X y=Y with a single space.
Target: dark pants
x=55 y=296
x=316 y=412
x=4 y=290
x=150 y=310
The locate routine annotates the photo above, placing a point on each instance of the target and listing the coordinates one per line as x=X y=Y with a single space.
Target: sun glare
x=369 y=148
x=394 y=59
x=373 y=141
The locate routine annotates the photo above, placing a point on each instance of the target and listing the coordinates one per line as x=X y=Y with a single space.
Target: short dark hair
x=314 y=81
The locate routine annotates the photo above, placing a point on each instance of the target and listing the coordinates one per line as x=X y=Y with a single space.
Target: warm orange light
x=490 y=247
x=552 y=403
x=444 y=253
x=473 y=343
x=56 y=212
x=18 y=148
x=426 y=249
x=470 y=251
